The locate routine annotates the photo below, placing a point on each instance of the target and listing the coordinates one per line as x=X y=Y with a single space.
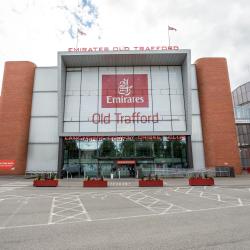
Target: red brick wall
x=217 y=117
x=15 y=109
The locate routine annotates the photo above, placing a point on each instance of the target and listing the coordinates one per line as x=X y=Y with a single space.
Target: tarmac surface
x=124 y=216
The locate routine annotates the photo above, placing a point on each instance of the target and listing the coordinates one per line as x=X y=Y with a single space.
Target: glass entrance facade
x=101 y=156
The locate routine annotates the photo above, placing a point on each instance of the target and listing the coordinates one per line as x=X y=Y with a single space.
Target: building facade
x=131 y=112
x=241 y=100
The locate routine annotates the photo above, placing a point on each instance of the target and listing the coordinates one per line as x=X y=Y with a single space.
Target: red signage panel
x=7 y=164
x=175 y=137
x=129 y=162
x=125 y=137
x=124 y=91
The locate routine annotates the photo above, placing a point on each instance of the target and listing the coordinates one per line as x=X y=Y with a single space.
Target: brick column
x=15 y=110
x=217 y=117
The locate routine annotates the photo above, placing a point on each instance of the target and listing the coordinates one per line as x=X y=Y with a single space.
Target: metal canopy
x=123 y=58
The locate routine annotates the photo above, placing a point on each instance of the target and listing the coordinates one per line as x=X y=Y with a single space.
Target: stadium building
x=128 y=111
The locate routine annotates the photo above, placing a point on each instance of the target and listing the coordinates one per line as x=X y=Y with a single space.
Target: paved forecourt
x=24 y=208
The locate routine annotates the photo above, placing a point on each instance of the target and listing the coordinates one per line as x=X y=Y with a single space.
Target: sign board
x=128 y=162
x=7 y=164
x=125 y=91
x=126 y=138
x=124 y=48
x=118 y=138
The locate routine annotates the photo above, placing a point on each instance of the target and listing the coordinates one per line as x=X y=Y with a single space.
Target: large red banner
x=125 y=91
x=7 y=164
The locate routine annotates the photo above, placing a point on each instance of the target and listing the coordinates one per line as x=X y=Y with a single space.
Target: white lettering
x=124 y=99
x=109 y=99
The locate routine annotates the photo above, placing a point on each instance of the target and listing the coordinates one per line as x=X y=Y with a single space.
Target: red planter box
x=150 y=183
x=201 y=181
x=45 y=183
x=248 y=170
x=95 y=183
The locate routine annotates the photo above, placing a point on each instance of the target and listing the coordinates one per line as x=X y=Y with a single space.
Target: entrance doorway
x=131 y=170
x=126 y=168
x=126 y=171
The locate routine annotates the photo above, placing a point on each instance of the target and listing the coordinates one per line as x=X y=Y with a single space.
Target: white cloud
x=35 y=30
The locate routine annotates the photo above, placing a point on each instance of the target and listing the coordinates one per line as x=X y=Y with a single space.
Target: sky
x=35 y=30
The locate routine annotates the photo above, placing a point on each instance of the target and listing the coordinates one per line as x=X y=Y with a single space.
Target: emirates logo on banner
x=124 y=88
x=125 y=91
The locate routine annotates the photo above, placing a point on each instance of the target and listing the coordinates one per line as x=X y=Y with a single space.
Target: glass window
x=175 y=79
x=160 y=92
x=71 y=166
x=159 y=149
x=241 y=139
x=123 y=119
x=85 y=91
x=144 y=149
x=88 y=107
x=161 y=103
x=248 y=86
x=71 y=151
x=177 y=105
x=88 y=151
x=73 y=83
x=240 y=130
x=71 y=126
x=248 y=96
x=239 y=95
x=90 y=169
x=235 y=98
x=163 y=125
x=88 y=127
x=92 y=158
x=244 y=128
x=89 y=93
x=72 y=108
x=107 y=127
x=127 y=148
x=244 y=93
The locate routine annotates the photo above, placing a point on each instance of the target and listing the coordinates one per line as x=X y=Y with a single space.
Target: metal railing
x=162 y=173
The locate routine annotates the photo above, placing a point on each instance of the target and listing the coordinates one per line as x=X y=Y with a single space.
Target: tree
x=107 y=148
x=127 y=148
x=159 y=149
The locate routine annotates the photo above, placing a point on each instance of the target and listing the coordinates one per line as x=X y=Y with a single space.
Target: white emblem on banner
x=124 y=88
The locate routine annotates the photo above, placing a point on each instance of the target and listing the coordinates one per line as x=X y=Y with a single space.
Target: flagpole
x=77 y=38
x=78 y=5
x=168 y=37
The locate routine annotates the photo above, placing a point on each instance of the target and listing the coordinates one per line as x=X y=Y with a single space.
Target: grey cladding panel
x=45 y=79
